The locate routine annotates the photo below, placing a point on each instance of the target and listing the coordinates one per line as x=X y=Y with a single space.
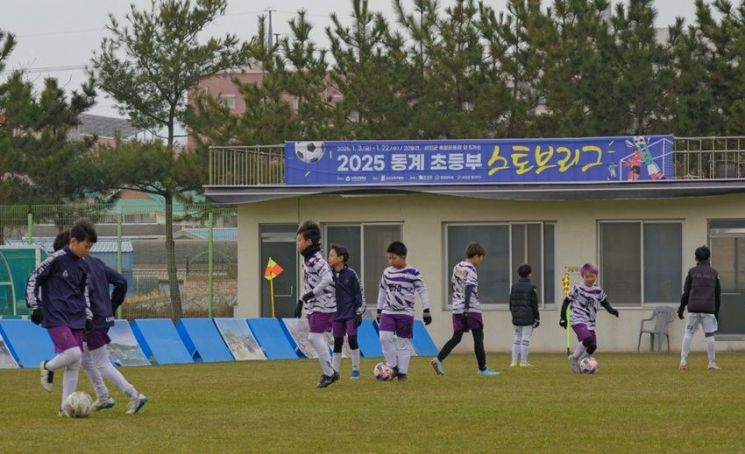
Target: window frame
x=361 y=251
x=640 y=222
x=542 y=304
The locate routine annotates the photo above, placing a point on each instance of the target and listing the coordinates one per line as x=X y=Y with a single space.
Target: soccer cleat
x=102 y=404
x=136 y=404
x=526 y=365
x=683 y=365
x=437 y=366
x=713 y=366
x=574 y=364
x=513 y=364
x=355 y=374
x=326 y=380
x=47 y=377
x=402 y=377
x=488 y=372
x=61 y=413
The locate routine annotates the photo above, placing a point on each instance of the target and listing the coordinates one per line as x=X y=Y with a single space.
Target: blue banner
x=487 y=161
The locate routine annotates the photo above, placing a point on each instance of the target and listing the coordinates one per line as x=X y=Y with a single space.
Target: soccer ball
x=78 y=405
x=588 y=365
x=309 y=152
x=383 y=372
x=639 y=142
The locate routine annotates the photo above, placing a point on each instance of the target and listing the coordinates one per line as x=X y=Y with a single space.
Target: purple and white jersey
x=465 y=274
x=318 y=279
x=585 y=303
x=397 y=288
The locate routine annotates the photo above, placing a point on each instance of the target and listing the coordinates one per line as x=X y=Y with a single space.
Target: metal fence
x=706 y=158
x=709 y=158
x=247 y=166
x=131 y=239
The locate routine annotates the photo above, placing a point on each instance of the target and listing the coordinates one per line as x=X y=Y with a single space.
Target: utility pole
x=269 y=35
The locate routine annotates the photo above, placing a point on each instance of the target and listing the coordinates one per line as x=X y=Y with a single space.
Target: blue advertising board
x=481 y=161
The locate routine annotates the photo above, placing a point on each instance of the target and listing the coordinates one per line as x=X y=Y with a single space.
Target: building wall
x=423 y=216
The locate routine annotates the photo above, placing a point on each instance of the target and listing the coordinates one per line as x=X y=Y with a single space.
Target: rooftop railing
x=694 y=158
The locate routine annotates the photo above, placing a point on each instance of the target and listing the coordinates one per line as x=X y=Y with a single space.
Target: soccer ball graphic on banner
x=309 y=152
x=588 y=365
x=383 y=372
x=78 y=405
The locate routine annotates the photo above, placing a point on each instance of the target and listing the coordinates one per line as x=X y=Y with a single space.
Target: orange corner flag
x=272 y=270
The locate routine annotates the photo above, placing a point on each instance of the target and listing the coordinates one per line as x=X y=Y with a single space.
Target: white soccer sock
x=580 y=351
x=525 y=342
x=686 y=348
x=318 y=341
x=355 y=358
x=711 y=349
x=404 y=355
x=388 y=343
x=336 y=361
x=100 y=358
x=67 y=357
x=70 y=379
x=102 y=393
x=516 y=338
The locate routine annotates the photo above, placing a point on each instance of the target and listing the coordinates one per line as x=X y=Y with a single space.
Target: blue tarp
x=160 y=341
x=202 y=340
x=272 y=338
x=28 y=343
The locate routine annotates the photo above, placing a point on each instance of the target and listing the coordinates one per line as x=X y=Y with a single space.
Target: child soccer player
x=350 y=305
x=585 y=299
x=396 y=308
x=95 y=359
x=64 y=307
x=525 y=315
x=318 y=299
x=466 y=310
x=702 y=295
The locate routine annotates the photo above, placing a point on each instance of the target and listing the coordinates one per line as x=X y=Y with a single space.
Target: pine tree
x=148 y=66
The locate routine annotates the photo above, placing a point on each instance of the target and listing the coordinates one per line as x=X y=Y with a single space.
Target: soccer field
x=637 y=402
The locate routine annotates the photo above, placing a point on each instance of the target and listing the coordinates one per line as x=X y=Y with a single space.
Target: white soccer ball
x=309 y=152
x=383 y=372
x=78 y=405
x=588 y=365
x=640 y=141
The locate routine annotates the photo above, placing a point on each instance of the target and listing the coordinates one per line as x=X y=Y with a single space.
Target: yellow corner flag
x=272 y=270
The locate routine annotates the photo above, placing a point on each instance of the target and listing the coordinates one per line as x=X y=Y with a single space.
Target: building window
x=641 y=261
x=367 y=244
x=228 y=101
x=508 y=246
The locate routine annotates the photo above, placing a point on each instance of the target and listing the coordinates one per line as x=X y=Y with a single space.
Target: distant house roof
x=218 y=234
x=103 y=245
x=101 y=126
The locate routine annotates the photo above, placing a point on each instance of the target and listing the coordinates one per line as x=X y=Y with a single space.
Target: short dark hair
x=341 y=251
x=310 y=231
x=474 y=249
x=524 y=270
x=397 y=248
x=62 y=239
x=84 y=230
x=702 y=253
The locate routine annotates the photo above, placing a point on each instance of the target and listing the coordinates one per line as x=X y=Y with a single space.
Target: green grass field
x=637 y=402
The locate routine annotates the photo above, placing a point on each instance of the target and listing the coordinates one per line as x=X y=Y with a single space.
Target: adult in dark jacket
x=702 y=295
x=525 y=315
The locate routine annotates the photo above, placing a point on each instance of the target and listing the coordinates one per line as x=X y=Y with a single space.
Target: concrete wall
x=423 y=217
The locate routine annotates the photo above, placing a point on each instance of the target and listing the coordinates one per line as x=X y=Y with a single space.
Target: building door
x=278 y=242
x=727 y=239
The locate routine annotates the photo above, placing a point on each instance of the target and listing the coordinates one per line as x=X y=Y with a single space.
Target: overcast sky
x=57 y=37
